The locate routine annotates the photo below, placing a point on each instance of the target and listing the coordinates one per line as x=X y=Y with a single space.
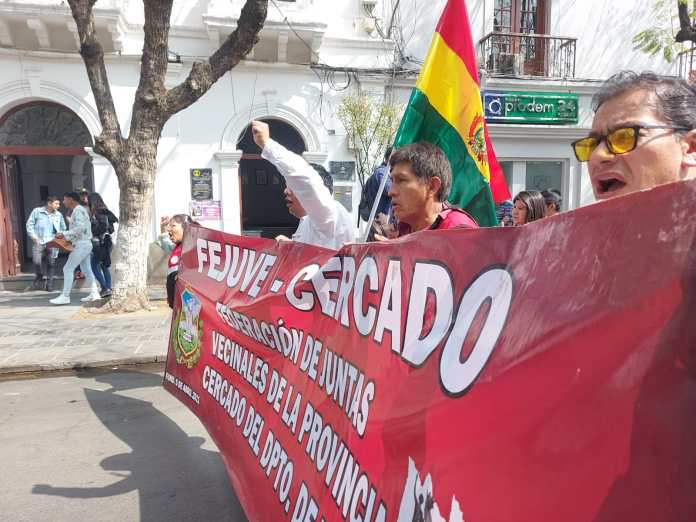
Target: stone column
x=105 y=181
x=230 y=190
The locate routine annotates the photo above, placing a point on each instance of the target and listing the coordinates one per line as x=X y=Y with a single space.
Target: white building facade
x=549 y=53
x=310 y=54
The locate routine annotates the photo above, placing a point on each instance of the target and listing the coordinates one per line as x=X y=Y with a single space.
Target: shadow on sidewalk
x=175 y=478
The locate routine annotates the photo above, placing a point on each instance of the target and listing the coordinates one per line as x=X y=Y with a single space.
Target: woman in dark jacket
x=102 y=227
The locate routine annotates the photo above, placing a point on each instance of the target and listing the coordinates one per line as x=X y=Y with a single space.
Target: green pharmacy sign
x=530 y=107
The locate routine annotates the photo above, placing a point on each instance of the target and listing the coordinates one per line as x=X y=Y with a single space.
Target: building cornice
x=541 y=84
x=358 y=43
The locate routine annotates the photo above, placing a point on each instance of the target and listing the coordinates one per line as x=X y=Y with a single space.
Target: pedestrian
x=420 y=181
x=504 y=213
x=309 y=195
x=84 y=201
x=553 y=200
x=102 y=220
x=528 y=206
x=170 y=238
x=42 y=226
x=643 y=134
x=80 y=235
x=369 y=194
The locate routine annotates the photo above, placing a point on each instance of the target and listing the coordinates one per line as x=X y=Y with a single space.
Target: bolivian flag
x=446 y=109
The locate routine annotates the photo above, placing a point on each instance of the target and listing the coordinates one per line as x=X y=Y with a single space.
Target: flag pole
x=375 y=204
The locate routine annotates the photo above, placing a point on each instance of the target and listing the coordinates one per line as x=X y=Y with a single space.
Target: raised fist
x=260 y=132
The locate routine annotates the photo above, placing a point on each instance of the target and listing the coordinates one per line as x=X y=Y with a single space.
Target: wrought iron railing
x=686 y=63
x=523 y=54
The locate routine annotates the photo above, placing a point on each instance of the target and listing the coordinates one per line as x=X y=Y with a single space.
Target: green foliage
x=660 y=37
x=370 y=124
x=655 y=40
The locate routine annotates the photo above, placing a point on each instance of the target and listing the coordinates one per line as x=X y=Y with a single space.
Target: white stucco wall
x=204 y=135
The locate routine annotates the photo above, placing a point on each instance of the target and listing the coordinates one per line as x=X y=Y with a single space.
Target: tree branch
x=148 y=107
x=687 y=32
x=204 y=74
x=110 y=141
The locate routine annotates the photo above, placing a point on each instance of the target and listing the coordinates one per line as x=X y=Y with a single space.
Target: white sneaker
x=60 y=300
x=94 y=296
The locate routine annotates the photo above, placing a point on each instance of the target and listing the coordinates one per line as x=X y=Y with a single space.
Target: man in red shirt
x=421 y=177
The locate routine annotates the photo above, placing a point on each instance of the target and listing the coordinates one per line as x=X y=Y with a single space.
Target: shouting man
x=420 y=183
x=643 y=134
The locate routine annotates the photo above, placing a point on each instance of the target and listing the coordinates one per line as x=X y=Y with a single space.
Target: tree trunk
x=135 y=158
x=687 y=31
x=136 y=175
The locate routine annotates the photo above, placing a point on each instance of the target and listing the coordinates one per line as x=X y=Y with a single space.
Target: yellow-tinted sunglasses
x=619 y=141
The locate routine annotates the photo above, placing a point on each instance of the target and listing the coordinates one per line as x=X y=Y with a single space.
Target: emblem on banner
x=188 y=330
x=477 y=140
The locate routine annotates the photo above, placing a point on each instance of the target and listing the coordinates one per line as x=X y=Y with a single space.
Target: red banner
x=543 y=372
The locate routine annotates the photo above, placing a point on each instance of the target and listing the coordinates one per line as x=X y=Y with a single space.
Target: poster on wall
x=201 y=184
x=206 y=210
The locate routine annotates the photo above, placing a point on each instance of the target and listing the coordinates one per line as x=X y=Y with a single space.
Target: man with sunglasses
x=643 y=134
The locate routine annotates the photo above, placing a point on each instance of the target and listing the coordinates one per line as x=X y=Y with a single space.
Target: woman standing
x=528 y=206
x=170 y=241
x=102 y=227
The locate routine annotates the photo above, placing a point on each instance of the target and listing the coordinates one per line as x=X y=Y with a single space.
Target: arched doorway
x=263 y=203
x=41 y=153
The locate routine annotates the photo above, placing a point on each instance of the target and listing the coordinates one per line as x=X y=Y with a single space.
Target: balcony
x=686 y=64
x=527 y=55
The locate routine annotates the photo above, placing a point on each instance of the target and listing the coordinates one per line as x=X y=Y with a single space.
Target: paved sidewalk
x=35 y=335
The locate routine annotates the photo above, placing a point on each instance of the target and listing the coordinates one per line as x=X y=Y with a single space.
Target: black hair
x=552 y=197
x=534 y=201
x=387 y=153
x=74 y=196
x=325 y=176
x=51 y=199
x=674 y=98
x=426 y=161
x=96 y=202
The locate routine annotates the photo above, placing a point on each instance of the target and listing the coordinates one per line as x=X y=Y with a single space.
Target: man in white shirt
x=80 y=235
x=323 y=220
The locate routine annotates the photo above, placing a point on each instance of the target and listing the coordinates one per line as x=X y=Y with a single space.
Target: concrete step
x=23 y=283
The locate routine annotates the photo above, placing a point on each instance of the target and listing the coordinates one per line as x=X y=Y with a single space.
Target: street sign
x=530 y=107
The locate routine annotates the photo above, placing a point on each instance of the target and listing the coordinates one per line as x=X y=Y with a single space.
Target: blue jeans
x=101 y=272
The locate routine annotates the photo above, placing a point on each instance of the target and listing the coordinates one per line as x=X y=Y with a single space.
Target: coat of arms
x=188 y=330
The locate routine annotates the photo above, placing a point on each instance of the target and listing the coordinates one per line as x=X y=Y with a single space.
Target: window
x=515 y=52
x=537 y=175
x=544 y=175
x=519 y=16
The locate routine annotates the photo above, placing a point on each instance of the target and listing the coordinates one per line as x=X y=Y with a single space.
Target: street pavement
x=36 y=335
x=107 y=445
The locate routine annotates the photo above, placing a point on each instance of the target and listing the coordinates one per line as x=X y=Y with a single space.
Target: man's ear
x=690 y=150
x=434 y=185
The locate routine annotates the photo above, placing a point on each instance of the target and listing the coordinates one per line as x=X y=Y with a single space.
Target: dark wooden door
x=11 y=236
x=264 y=210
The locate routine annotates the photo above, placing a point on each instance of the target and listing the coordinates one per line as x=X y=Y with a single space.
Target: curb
x=34 y=368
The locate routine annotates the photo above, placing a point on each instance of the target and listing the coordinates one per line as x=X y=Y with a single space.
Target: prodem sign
x=530 y=107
